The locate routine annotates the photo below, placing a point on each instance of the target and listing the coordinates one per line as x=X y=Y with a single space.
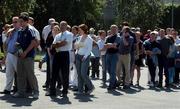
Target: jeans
x=171 y=74
x=163 y=67
x=82 y=70
x=152 y=69
x=104 y=69
x=111 y=61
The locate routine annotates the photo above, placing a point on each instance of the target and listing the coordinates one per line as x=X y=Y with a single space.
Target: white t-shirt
x=65 y=36
x=85 y=47
x=46 y=31
x=101 y=46
x=36 y=32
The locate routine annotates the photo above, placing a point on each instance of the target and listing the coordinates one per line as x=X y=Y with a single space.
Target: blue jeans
x=104 y=69
x=171 y=71
x=82 y=71
x=111 y=61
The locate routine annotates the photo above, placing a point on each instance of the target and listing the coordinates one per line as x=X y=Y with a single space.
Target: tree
x=9 y=8
x=142 y=13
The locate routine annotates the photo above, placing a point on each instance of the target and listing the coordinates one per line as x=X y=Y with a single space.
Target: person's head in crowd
x=114 y=29
x=54 y=24
x=56 y=30
x=23 y=19
x=133 y=29
x=31 y=21
x=83 y=29
x=15 y=22
x=153 y=35
x=126 y=31
x=148 y=31
x=91 y=31
x=174 y=34
x=69 y=28
x=125 y=23
x=63 y=26
x=51 y=20
x=75 y=30
x=108 y=32
x=6 y=27
x=138 y=35
x=162 y=33
x=102 y=34
x=24 y=13
x=138 y=29
x=168 y=31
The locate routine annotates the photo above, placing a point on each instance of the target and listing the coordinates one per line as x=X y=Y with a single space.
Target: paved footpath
x=134 y=98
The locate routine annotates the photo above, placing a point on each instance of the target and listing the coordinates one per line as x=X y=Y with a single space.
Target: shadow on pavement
x=114 y=92
x=84 y=97
x=17 y=102
x=63 y=101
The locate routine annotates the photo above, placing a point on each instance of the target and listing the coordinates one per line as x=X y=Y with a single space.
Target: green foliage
x=142 y=13
x=166 y=18
x=74 y=12
x=9 y=8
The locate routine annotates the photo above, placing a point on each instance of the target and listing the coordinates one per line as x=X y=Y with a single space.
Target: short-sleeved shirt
x=165 y=45
x=126 y=49
x=148 y=45
x=11 y=41
x=113 y=39
x=25 y=36
x=65 y=36
x=101 y=46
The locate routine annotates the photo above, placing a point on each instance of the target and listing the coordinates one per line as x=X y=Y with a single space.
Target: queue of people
x=73 y=54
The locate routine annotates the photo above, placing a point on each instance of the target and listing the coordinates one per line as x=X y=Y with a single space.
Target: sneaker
x=5 y=92
x=17 y=95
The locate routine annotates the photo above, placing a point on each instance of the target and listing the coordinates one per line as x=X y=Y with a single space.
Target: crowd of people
x=75 y=54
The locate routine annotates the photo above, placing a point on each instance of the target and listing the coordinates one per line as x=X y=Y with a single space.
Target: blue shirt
x=126 y=49
x=95 y=51
x=11 y=41
x=25 y=36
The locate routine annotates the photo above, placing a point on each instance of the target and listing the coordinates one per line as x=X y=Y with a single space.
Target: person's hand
x=114 y=45
x=23 y=55
x=84 y=58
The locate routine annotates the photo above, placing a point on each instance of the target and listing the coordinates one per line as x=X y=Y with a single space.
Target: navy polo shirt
x=25 y=36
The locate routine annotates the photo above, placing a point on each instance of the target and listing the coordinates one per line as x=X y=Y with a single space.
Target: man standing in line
x=26 y=44
x=11 y=58
x=61 y=62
